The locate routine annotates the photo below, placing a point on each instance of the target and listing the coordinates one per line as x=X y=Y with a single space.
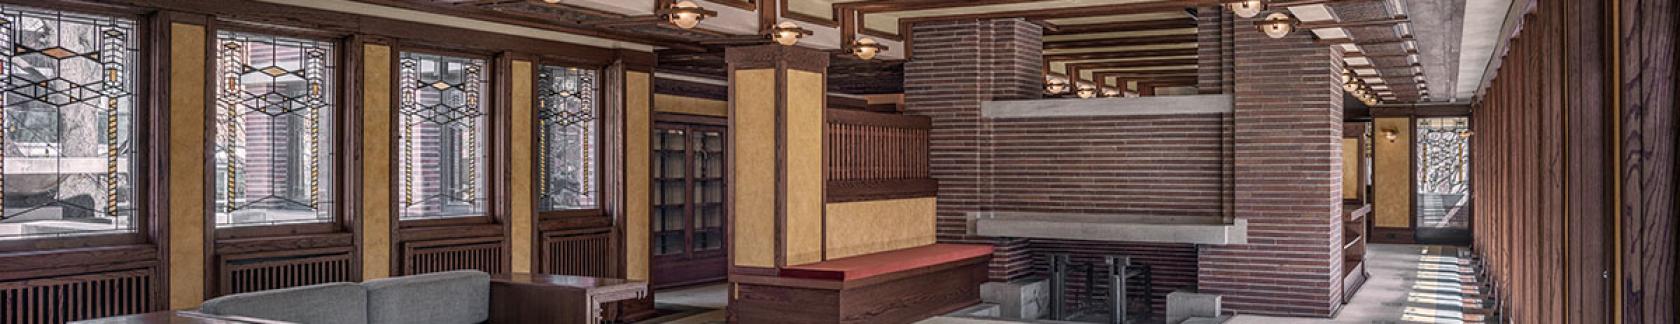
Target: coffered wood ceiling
x=1109 y=42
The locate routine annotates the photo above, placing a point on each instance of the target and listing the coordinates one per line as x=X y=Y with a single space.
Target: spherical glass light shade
x=1277 y=25
x=1111 y=93
x=1056 y=87
x=1247 y=9
x=1087 y=92
x=866 y=48
x=685 y=15
x=786 y=33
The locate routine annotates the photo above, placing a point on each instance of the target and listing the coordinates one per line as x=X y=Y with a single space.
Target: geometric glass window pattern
x=66 y=129
x=1443 y=155
x=566 y=147
x=274 y=109
x=443 y=133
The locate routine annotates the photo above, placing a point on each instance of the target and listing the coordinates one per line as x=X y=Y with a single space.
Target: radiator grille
x=77 y=297
x=577 y=254
x=447 y=255
x=243 y=274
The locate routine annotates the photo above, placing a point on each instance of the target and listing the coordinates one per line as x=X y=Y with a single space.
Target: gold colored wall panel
x=754 y=142
x=689 y=105
x=805 y=181
x=519 y=184
x=376 y=162
x=1391 y=176
x=186 y=165
x=638 y=118
x=864 y=227
x=1350 y=168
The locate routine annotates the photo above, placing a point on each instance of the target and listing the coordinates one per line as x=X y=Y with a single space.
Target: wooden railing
x=875 y=156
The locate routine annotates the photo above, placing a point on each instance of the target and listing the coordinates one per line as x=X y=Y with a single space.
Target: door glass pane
x=1443 y=182
x=669 y=195
x=708 y=191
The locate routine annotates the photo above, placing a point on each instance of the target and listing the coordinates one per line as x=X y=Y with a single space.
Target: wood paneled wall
x=1572 y=159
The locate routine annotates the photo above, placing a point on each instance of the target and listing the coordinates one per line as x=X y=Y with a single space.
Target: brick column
x=1287 y=125
x=957 y=65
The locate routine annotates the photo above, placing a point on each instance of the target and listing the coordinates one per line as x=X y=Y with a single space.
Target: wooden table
x=178 y=317
x=533 y=298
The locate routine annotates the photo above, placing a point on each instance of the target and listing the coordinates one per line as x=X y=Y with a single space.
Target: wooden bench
x=899 y=286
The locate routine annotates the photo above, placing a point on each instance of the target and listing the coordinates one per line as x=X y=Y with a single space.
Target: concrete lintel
x=1114 y=228
x=1136 y=106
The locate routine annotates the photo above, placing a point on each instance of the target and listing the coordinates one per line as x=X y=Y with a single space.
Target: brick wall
x=1287 y=126
x=958 y=65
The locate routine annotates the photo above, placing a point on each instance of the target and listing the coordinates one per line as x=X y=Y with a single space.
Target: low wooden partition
x=900 y=286
x=875 y=156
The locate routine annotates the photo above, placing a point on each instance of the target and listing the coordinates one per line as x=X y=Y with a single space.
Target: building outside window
x=274 y=108
x=566 y=148
x=443 y=136
x=67 y=131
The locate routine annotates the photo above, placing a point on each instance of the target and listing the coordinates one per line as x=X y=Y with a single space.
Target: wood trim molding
x=885 y=189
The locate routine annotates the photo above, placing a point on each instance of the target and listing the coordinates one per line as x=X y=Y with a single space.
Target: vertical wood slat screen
x=77 y=297
x=257 y=273
x=577 y=254
x=877 y=156
x=482 y=254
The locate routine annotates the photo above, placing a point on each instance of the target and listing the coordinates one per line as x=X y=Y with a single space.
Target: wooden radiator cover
x=77 y=297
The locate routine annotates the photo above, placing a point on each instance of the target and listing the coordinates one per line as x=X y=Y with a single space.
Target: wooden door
x=688 y=215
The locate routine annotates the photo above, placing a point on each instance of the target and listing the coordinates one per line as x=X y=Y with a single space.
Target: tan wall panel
x=754 y=143
x=638 y=118
x=186 y=165
x=864 y=227
x=376 y=162
x=520 y=145
x=805 y=181
x=1350 y=168
x=1391 y=176
x=689 y=105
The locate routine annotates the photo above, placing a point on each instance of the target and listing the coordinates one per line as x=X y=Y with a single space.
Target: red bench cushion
x=874 y=264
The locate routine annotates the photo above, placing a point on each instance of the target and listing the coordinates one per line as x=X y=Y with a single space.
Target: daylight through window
x=443 y=131
x=273 y=130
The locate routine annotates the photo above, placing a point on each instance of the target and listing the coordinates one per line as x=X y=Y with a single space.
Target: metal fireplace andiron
x=1120 y=272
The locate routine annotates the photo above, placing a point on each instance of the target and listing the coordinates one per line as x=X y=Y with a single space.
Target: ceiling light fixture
x=1277 y=25
x=866 y=48
x=1056 y=86
x=1087 y=91
x=788 y=33
x=686 y=14
x=1110 y=92
x=1248 y=8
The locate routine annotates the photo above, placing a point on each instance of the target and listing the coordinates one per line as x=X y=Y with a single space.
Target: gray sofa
x=455 y=297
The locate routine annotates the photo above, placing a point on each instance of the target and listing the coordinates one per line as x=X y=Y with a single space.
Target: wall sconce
x=787 y=33
x=1391 y=135
x=1247 y=9
x=686 y=14
x=1277 y=25
x=866 y=48
x=1056 y=86
x=1087 y=91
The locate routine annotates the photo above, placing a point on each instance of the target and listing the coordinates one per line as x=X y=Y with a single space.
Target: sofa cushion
x=332 y=303
x=879 y=263
x=454 y=297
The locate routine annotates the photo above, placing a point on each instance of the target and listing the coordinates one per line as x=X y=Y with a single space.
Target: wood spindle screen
x=241 y=274
x=577 y=254
x=482 y=254
x=76 y=297
x=877 y=156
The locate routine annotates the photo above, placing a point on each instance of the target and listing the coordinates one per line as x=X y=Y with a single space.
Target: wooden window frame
x=344 y=204
x=495 y=103
x=147 y=187
x=599 y=138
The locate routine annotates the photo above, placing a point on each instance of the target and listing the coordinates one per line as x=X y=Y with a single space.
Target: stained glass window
x=1443 y=173
x=566 y=148
x=273 y=130
x=443 y=132
x=67 y=128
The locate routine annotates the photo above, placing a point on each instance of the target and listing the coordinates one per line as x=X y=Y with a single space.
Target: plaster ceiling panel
x=1373 y=33
x=1406 y=72
x=1330 y=33
x=1362 y=10
x=1384 y=49
x=1357 y=61
x=1391 y=61
x=1312 y=13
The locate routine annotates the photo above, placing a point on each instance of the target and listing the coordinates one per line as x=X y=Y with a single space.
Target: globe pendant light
x=1247 y=9
x=686 y=14
x=866 y=48
x=787 y=33
x=1277 y=25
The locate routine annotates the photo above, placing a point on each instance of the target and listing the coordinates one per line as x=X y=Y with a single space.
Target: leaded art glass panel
x=566 y=148
x=67 y=138
x=273 y=129
x=442 y=136
x=1443 y=172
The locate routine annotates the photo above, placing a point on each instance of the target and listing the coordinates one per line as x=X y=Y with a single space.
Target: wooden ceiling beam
x=1339 y=41
x=1123 y=26
x=1132 y=64
x=909 y=5
x=1070 y=12
x=1119 y=55
x=1125 y=41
